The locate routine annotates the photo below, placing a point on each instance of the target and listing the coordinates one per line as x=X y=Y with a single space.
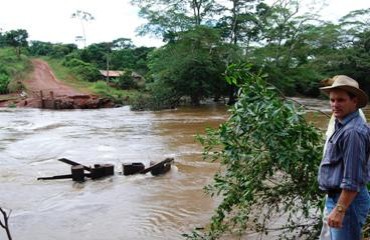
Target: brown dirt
x=44 y=90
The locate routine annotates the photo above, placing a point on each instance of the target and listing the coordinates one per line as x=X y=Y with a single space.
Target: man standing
x=345 y=168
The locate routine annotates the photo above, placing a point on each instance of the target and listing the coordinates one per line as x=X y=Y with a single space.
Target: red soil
x=44 y=90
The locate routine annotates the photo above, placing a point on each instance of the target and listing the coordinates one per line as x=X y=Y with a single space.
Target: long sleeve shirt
x=345 y=163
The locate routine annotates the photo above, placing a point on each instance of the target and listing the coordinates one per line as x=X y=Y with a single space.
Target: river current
x=114 y=208
x=118 y=207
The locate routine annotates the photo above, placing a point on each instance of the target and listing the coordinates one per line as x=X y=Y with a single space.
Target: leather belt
x=333 y=192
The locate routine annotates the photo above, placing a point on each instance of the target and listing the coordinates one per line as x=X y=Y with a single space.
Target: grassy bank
x=100 y=88
x=12 y=70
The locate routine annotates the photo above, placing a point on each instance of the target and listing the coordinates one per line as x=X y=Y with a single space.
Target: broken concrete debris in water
x=78 y=173
x=132 y=168
x=155 y=169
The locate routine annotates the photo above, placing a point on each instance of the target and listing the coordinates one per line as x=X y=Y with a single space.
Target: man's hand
x=335 y=218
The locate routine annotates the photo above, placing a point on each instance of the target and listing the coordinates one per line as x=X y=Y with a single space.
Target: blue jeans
x=354 y=218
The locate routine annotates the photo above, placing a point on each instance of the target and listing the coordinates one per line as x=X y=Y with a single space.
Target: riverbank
x=43 y=90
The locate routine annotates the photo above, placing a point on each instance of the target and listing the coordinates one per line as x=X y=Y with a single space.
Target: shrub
x=4 y=81
x=84 y=70
x=126 y=80
x=269 y=158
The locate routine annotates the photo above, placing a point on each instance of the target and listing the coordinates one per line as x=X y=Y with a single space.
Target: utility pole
x=107 y=57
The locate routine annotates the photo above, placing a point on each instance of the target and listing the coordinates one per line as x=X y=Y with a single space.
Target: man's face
x=341 y=103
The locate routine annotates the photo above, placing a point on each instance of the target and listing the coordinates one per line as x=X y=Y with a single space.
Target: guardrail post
x=42 y=99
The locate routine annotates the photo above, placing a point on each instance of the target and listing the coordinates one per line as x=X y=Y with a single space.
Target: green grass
x=12 y=63
x=19 y=68
x=16 y=68
x=100 y=88
x=64 y=74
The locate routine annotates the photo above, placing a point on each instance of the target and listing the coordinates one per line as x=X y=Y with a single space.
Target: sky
x=51 y=20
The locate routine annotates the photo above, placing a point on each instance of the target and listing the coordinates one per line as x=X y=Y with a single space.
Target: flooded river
x=119 y=207
x=115 y=208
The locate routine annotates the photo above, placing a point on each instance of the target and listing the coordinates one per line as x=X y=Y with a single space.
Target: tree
x=284 y=46
x=58 y=50
x=269 y=156
x=239 y=22
x=2 y=39
x=193 y=65
x=166 y=18
x=39 y=48
x=97 y=54
x=5 y=223
x=16 y=39
x=355 y=47
x=122 y=43
x=83 y=16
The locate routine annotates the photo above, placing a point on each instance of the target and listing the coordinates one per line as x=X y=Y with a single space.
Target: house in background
x=112 y=75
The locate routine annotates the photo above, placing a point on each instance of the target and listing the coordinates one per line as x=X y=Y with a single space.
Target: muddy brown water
x=115 y=208
x=119 y=207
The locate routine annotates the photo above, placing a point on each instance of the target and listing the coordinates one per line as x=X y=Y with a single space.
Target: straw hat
x=350 y=85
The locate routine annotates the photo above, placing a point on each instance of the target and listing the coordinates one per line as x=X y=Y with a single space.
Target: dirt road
x=44 y=90
x=43 y=79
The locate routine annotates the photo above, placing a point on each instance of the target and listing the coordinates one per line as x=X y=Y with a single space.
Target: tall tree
x=239 y=25
x=192 y=66
x=16 y=39
x=122 y=43
x=355 y=46
x=97 y=54
x=168 y=17
x=83 y=16
x=239 y=22
x=280 y=48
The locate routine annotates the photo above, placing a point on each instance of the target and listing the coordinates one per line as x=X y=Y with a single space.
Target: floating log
x=132 y=168
x=160 y=167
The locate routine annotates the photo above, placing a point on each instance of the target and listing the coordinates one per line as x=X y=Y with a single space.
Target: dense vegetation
x=269 y=157
x=296 y=50
x=12 y=70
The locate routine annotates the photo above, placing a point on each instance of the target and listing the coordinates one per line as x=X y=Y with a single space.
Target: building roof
x=110 y=73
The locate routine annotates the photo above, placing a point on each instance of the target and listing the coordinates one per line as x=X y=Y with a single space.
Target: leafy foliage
x=12 y=71
x=193 y=65
x=269 y=158
x=4 y=81
x=240 y=22
x=168 y=17
x=16 y=39
x=126 y=80
x=84 y=70
x=39 y=48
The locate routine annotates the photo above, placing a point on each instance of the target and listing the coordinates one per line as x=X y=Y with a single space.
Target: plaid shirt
x=346 y=159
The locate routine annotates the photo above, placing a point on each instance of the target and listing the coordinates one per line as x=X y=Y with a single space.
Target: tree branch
x=5 y=224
